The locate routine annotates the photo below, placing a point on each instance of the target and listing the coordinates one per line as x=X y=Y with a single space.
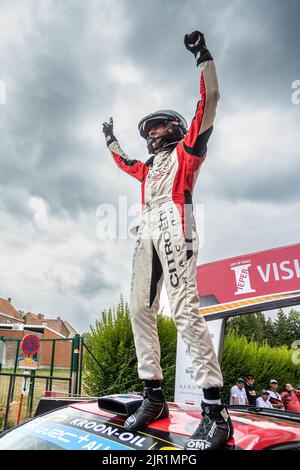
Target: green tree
x=287 y=328
x=254 y=326
x=114 y=366
x=270 y=332
x=281 y=327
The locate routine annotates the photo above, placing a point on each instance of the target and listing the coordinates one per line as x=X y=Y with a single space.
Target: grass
x=39 y=388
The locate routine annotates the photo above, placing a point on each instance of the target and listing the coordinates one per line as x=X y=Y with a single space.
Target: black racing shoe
x=153 y=407
x=214 y=430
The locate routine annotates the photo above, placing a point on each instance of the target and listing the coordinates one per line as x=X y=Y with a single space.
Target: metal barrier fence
x=60 y=369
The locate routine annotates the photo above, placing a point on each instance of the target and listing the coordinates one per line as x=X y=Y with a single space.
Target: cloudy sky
x=66 y=66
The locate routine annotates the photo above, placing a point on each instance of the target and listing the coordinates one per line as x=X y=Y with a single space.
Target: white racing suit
x=167 y=245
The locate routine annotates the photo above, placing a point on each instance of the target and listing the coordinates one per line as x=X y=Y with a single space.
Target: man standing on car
x=167 y=248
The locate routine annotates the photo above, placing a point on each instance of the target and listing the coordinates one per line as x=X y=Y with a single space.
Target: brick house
x=8 y=313
x=58 y=325
x=52 y=329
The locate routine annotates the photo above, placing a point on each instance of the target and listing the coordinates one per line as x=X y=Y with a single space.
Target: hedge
x=241 y=357
x=115 y=369
x=111 y=343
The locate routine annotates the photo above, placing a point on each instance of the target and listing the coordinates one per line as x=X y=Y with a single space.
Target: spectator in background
x=291 y=399
x=275 y=397
x=250 y=390
x=263 y=401
x=238 y=394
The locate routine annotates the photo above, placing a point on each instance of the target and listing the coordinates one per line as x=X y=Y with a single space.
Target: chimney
x=9 y=299
x=58 y=318
x=41 y=316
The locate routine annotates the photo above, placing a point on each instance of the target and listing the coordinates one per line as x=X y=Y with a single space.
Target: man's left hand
x=107 y=129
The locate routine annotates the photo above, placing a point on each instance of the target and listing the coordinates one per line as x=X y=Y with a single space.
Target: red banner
x=252 y=276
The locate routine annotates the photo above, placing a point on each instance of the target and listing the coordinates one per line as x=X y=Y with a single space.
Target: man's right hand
x=107 y=129
x=195 y=43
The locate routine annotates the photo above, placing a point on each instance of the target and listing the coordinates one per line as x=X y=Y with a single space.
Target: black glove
x=108 y=131
x=195 y=42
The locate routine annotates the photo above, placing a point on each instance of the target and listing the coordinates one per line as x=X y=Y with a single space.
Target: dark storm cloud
x=251 y=184
x=59 y=80
x=255 y=44
x=54 y=85
x=263 y=60
x=62 y=77
x=254 y=157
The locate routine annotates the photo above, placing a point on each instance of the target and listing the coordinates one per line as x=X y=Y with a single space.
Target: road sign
x=30 y=344
x=27 y=363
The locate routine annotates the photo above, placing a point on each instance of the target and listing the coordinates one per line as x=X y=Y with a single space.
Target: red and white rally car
x=98 y=425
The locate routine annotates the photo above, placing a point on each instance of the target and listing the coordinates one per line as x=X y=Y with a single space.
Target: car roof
x=252 y=430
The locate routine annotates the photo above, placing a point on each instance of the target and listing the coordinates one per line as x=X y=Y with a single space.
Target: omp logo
x=213 y=429
x=198 y=445
x=2 y=92
x=242 y=279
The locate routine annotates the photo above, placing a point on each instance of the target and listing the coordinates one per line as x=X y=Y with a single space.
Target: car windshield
x=62 y=429
x=72 y=429
x=19 y=440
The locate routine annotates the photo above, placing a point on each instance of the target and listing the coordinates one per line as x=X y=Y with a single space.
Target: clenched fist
x=195 y=43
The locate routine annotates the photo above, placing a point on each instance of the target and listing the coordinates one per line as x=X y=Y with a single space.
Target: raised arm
x=195 y=142
x=134 y=168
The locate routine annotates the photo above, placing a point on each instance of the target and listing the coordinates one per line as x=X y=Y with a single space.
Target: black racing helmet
x=174 y=133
